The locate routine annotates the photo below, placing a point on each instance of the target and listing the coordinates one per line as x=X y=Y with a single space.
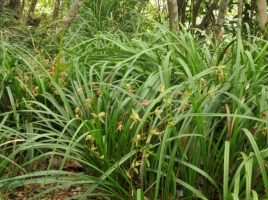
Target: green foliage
x=148 y=115
x=113 y=15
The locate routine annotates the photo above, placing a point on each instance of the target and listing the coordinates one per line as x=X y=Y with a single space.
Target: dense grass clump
x=148 y=116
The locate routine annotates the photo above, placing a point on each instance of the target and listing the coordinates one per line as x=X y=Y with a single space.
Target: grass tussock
x=146 y=116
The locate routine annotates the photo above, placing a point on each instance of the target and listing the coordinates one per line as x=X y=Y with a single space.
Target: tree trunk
x=197 y=4
x=15 y=6
x=173 y=15
x=181 y=10
x=1 y=5
x=29 y=18
x=206 y=18
x=239 y=14
x=55 y=15
x=23 y=5
x=253 y=5
x=221 y=16
x=262 y=14
x=72 y=14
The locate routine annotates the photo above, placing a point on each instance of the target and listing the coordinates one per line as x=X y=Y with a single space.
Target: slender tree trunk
x=208 y=15
x=23 y=5
x=72 y=14
x=262 y=14
x=239 y=14
x=159 y=3
x=173 y=15
x=29 y=18
x=221 y=16
x=181 y=10
x=55 y=15
x=253 y=5
x=196 y=8
x=1 y=5
x=15 y=6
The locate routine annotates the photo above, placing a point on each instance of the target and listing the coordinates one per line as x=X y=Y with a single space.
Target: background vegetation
x=122 y=101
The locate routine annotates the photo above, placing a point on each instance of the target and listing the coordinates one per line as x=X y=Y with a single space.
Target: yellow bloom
x=93 y=148
x=128 y=174
x=77 y=110
x=88 y=103
x=221 y=73
x=79 y=90
x=90 y=137
x=264 y=130
x=138 y=138
x=157 y=112
x=35 y=90
x=135 y=116
x=161 y=88
x=171 y=123
x=119 y=126
x=134 y=165
x=101 y=157
x=168 y=101
x=184 y=103
x=129 y=89
x=155 y=132
x=94 y=115
x=146 y=156
x=100 y=116
x=211 y=93
x=202 y=81
x=128 y=86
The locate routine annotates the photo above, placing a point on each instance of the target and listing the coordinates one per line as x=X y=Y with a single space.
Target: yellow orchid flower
x=88 y=103
x=211 y=93
x=90 y=137
x=93 y=148
x=168 y=101
x=202 y=81
x=138 y=139
x=100 y=116
x=221 y=73
x=161 y=88
x=146 y=156
x=134 y=165
x=128 y=174
x=171 y=123
x=129 y=89
x=135 y=116
x=120 y=126
x=157 y=112
x=155 y=132
x=77 y=110
x=79 y=90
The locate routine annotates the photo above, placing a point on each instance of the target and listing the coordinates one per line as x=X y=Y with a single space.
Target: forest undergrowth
x=147 y=115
